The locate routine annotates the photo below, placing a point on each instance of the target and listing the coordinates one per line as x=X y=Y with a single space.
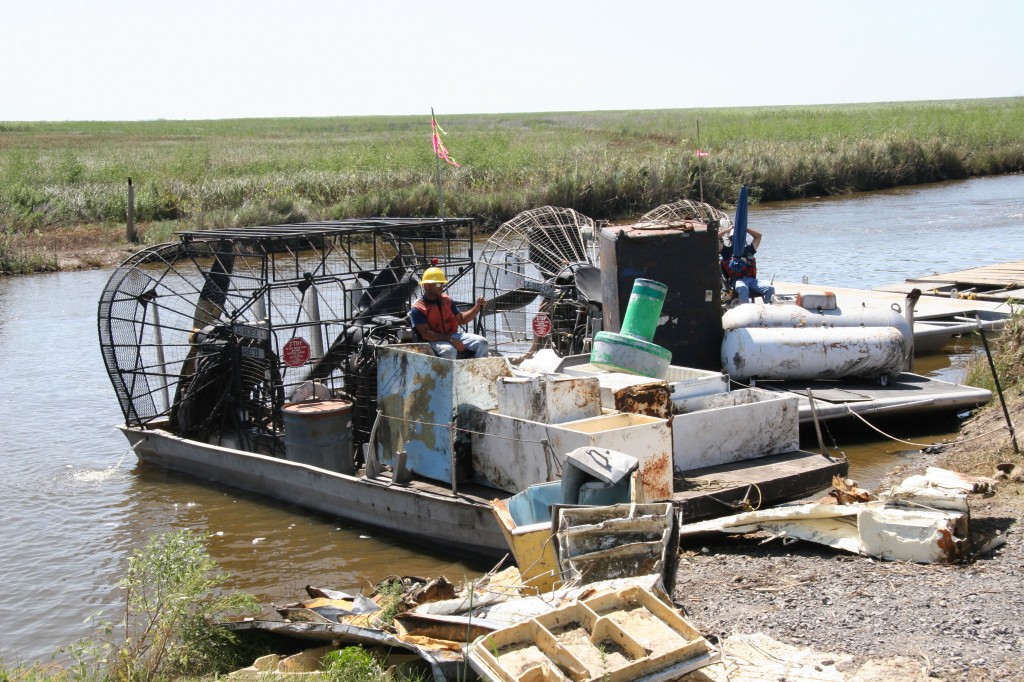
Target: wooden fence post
x=132 y=235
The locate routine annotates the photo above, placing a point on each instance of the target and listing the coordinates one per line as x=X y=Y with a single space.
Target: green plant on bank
x=391 y=592
x=355 y=664
x=36 y=672
x=352 y=664
x=167 y=626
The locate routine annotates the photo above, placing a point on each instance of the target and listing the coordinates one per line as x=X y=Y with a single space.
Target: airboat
x=230 y=349
x=208 y=341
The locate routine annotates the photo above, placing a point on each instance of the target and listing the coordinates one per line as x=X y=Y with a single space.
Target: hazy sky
x=194 y=59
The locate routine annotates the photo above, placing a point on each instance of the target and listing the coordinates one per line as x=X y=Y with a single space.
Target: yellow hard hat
x=434 y=276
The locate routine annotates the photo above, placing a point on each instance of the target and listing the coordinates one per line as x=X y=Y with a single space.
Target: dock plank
x=1000 y=274
x=928 y=306
x=720 y=490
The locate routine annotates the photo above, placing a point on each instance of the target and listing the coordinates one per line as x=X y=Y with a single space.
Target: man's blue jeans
x=474 y=343
x=745 y=286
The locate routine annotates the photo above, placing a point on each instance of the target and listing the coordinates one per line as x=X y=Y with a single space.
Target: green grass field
x=608 y=165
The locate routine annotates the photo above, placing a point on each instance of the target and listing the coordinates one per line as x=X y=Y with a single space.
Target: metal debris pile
x=620 y=629
x=924 y=519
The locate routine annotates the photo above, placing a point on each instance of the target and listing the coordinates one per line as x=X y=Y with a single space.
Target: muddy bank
x=903 y=621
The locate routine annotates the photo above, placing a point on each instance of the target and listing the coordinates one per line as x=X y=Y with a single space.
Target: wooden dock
x=761 y=482
x=929 y=307
x=985 y=291
x=999 y=283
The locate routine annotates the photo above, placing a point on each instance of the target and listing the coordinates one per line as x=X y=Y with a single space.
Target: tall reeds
x=608 y=165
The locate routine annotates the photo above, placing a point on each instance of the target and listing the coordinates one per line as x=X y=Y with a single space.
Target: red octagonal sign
x=296 y=352
x=541 y=324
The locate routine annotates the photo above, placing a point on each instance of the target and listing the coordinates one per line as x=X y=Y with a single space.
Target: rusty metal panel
x=649 y=439
x=510 y=454
x=683 y=382
x=421 y=398
x=732 y=427
x=640 y=395
x=615 y=541
x=551 y=399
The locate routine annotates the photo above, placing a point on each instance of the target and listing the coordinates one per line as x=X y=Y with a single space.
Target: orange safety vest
x=440 y=317
x=747 y=268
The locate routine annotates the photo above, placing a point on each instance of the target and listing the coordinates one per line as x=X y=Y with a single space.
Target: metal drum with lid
x=319 y=432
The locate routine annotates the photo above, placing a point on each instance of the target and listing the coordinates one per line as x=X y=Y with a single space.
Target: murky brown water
x=74 y=501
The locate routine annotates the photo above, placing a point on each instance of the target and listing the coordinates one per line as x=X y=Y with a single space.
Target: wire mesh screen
x=527 y=272
x=212 y=335
x=681 y=211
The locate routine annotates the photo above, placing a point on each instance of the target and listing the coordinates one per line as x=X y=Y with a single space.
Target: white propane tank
x=813 y=352
x=749 y=315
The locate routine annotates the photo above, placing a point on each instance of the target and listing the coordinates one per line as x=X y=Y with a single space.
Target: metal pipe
x=311 y=306
x=817 y=427
x=158 y=341
x=999 y=389
x=908 y=310
x=451 y=455
x=131 y=233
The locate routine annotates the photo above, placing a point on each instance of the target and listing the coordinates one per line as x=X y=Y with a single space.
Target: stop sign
x=295 y=352
x=541 y=324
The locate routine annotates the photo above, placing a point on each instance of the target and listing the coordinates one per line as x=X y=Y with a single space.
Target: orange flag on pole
x=439 y=149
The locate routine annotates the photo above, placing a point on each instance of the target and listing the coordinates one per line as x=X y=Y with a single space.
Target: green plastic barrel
x=644 y=309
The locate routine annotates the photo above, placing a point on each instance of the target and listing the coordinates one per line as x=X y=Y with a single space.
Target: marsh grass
x=27 y=252
x=608 y=165
x=1007 y=351
x=980 y=455
x=34 y=672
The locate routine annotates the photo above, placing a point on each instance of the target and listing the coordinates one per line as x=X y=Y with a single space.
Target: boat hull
x=444 y=521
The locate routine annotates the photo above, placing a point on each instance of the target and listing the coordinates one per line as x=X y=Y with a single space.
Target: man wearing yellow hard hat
x=437 y=319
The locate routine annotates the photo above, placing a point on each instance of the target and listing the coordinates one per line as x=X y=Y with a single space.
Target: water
x=885 y=237
x=74 y=500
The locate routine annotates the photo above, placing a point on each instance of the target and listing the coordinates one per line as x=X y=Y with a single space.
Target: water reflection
x=869 y=240
x=274 y=550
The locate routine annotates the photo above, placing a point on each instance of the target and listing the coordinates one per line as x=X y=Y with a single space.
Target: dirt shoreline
x=867 y=619
x=64 y=249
